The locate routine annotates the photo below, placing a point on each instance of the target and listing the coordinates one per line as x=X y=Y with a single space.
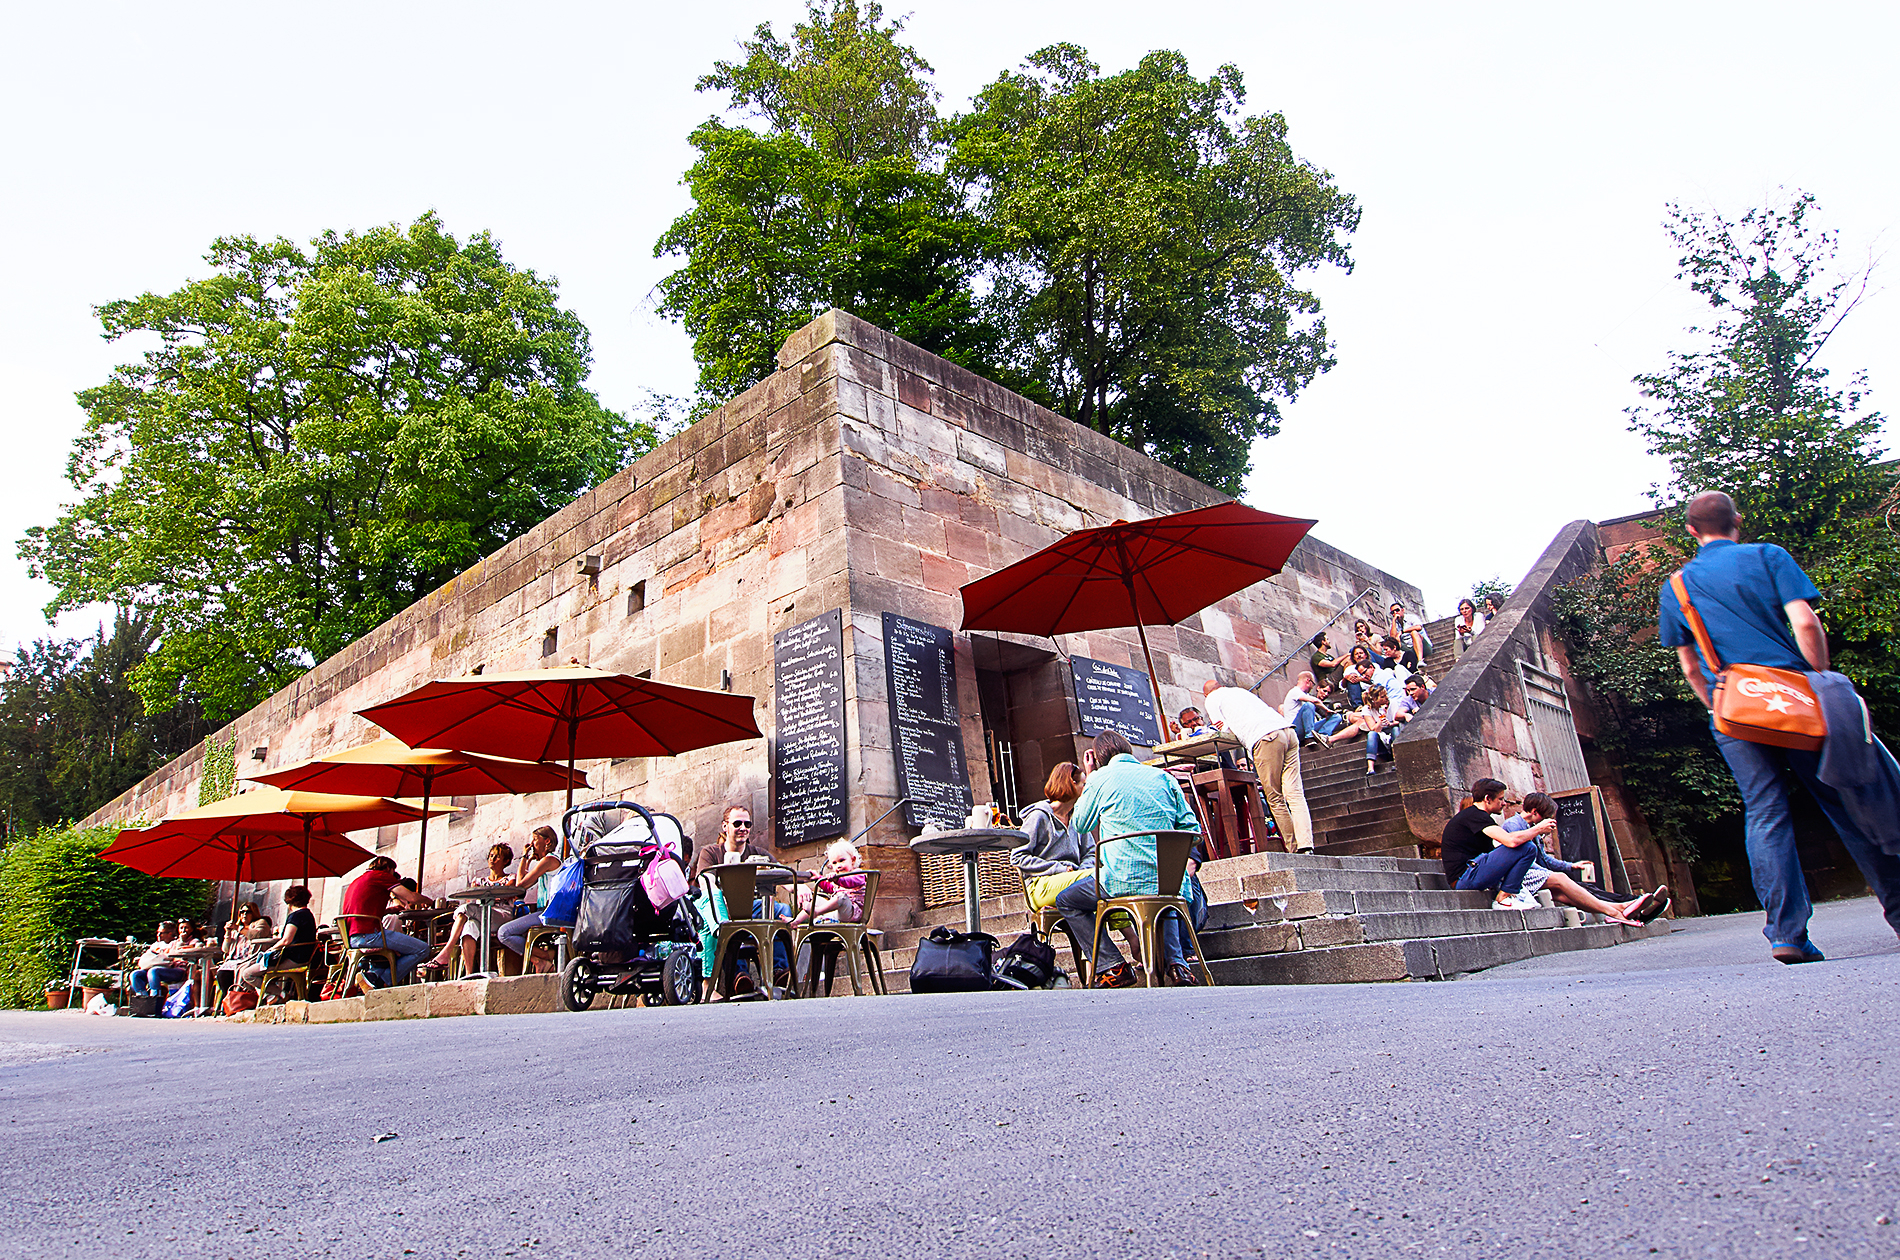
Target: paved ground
x=1677 y=1097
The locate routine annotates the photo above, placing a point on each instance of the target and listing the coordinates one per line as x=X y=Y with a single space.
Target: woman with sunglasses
x=539 y=866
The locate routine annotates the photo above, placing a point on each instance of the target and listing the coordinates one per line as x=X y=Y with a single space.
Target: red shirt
x=368 y=895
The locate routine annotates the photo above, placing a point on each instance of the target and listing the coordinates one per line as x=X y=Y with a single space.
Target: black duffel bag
x=953 y=962
x=1029 y=963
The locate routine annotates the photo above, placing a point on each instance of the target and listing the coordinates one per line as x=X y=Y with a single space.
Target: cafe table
x=969 y=843
x=1195 y=749
x=484 y=898
x=199 y=964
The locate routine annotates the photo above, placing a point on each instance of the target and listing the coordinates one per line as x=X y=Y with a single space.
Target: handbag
x=564 y=901
x=1029 y=963
x=1757 y=703
x=953 y=962
x=664 y=881
x=240 y=1000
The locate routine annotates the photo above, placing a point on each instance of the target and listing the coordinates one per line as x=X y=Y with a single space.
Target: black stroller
x=621 y=942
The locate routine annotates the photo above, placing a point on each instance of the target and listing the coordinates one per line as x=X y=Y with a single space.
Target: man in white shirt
x=1305 y=707
x=1275 y=748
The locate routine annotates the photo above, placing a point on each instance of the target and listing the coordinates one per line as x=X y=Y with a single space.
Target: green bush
x=54 y=890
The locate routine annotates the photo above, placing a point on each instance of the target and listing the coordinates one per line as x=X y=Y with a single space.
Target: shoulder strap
x=1694 y=618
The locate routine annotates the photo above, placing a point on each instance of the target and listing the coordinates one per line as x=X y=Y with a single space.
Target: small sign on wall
x=1115 y=698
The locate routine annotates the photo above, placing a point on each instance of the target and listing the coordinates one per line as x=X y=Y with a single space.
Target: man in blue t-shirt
x=1757 y=606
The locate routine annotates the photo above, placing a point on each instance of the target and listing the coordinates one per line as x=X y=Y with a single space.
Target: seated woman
x=1360 y=667
x=294 y=946
x=467 y=928
x=243 y=940
x=539 y=866
x=1469 y=622
x=1055 y=855
x=1374 y=720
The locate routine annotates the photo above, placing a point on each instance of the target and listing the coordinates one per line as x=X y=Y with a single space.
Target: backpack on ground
x=1029 y=963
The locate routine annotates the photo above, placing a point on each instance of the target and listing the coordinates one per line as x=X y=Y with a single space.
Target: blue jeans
x=147 y=983
x=1502 y=868
x=1077 y=906
x=1378 y=745
x=1761 y=773
x=408 y=950
x=1308 y=723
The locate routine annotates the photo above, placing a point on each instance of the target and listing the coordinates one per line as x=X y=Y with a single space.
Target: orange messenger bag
x=1754 y=702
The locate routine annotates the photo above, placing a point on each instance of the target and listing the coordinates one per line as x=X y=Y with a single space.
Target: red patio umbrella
x=1135 y=573
x=260 y=835
x=567 y=713
x=389 y=767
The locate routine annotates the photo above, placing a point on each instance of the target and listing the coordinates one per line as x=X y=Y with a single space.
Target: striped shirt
x=1125 y=796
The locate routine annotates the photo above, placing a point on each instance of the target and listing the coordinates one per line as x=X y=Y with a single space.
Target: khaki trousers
x=1276 y=759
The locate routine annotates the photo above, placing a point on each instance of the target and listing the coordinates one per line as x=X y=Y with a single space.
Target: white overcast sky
x=1513 y=162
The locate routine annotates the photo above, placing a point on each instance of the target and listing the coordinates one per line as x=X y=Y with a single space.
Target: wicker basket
x=941 y=875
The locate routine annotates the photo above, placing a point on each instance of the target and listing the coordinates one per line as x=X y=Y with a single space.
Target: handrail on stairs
x=1341 y=611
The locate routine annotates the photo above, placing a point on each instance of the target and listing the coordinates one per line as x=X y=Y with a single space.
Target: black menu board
x=1115 y=698
x=920 y=678
x=808 y=730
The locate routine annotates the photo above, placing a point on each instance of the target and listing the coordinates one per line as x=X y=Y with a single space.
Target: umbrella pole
x=422 y=845
x=1161 y=715
x=573 y=729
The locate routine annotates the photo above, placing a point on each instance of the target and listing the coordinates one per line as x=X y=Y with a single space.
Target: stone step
x=1387 y=831
x=1390 y=844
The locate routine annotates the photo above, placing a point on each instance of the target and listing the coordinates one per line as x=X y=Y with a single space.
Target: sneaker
x=1180 y=974
x=1117 y=977
x=1516 y=901
x=1801 y=952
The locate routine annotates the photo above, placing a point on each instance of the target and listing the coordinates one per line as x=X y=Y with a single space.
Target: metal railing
x=1307 y=642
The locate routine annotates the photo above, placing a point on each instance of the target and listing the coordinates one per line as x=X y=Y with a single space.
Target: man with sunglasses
x=734 y=843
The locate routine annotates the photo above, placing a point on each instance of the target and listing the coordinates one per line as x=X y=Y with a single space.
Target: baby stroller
x=635 y=931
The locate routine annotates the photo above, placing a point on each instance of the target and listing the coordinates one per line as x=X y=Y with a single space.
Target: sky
x=1513 y=163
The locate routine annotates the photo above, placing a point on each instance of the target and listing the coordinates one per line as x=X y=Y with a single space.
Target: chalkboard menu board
x=1115 y=698
x=808 y=801
x=1583 y=835
x=920 y=678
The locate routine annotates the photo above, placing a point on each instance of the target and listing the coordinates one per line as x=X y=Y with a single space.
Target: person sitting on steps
x=1564 y=880
x=1472 y=863
x=1305 y=706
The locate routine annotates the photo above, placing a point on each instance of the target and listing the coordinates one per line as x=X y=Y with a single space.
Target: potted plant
x=59 y=993
x=96 y=982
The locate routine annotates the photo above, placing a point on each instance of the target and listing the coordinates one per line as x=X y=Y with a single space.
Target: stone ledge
x=501 y=995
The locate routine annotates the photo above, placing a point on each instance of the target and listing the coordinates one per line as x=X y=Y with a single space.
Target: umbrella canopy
x=567 y=713
x=389 y=767
x=252 y=828
x=1135 y=573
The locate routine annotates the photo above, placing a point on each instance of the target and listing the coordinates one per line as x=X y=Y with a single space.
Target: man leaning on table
x=364 y=902
x=1274 y=746
x=1123 y=796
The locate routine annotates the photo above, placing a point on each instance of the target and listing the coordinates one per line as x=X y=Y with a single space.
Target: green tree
x=318 y=437
x=837 y=198
x=73 y=734
x=1145 y=243
x=1750 y=410
x=54 y=890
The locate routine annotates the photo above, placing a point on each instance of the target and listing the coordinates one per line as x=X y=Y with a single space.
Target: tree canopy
x=1142 y=246
x=317 y=437
x=1125 y=248
x=838 y=201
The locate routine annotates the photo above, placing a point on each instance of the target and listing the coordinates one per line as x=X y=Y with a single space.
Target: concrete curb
x=501 y=995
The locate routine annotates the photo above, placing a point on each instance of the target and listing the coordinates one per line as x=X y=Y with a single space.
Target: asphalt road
x=1676 y=1097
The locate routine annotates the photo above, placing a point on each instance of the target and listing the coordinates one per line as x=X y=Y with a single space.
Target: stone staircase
x=1370 y=903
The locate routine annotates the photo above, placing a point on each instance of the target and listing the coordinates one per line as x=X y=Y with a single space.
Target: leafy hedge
x=54 y=890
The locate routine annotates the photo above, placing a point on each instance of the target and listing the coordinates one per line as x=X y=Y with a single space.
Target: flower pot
x=56 y=999
x=87 y=994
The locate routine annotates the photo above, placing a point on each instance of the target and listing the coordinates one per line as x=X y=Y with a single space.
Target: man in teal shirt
x=1123 y=796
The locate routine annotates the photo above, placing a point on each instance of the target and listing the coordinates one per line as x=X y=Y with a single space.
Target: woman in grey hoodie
x=1056 y=855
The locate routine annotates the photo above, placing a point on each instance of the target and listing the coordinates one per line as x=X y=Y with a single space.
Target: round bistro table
x=969 y=843
x=484 y=897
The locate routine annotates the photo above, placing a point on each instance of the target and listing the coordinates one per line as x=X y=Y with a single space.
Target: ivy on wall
x=219 y=776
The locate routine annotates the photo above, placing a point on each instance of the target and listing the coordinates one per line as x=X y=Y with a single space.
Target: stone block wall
x=864 y=475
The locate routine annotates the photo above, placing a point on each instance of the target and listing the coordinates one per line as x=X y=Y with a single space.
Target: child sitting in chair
x=838 y=896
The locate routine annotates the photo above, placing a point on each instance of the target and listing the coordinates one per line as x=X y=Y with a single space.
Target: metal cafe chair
x=1171 y=856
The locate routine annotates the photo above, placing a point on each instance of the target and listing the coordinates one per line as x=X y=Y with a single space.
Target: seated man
x=1398 y=665
x=1470 y=860
x=735 y=844
x=1193 y=725
x=1123 y=796
x=1564 y=879
x=154 y=969
x=1305 y=706
x=293 y=947
x=366 y=900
